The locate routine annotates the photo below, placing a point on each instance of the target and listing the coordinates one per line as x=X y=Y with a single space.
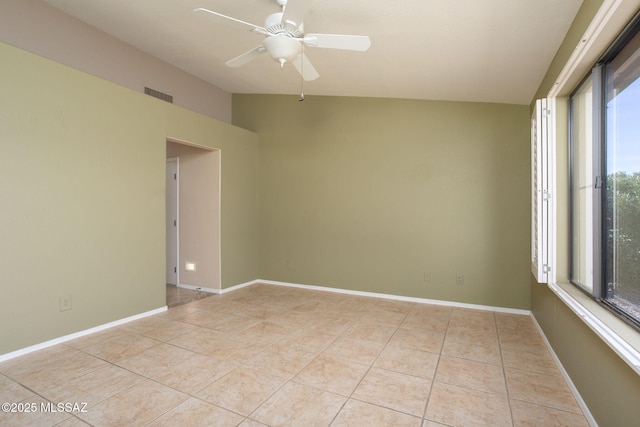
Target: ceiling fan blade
x=256 y=28
x=246 y=57
x=305 y=67
x=294 y=13
x=338 y=41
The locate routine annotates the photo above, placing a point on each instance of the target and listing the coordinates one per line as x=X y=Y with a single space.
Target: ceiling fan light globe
x=283 y=48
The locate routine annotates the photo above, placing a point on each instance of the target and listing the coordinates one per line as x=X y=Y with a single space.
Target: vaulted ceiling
x=460 y=50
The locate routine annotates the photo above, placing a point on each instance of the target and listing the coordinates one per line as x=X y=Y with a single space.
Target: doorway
x=172 y=204
x=193 y=220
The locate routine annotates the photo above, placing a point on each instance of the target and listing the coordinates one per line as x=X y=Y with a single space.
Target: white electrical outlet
x=190 y=266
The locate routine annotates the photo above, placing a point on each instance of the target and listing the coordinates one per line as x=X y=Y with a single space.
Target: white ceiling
x=459 y=50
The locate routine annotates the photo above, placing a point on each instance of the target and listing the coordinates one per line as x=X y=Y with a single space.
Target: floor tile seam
x=535 y=371
x=195 y=393
x=168 y=312
x=408 y=347
x=530 y=371
x=485 y=392
x=532 y=341
x=364 y=376
x=544 y=405
x=70 y=344
x=122 y=328
x=142 y=380
x=167 y=411
x=517 y=337
x=431 y=332
x=526 y=326
x=40 y=394
x=417 y=417
x=484 y=362
x=404 y=373
x=280 y=341
x=69 y=415
x=209 y=384
x=193 y=351
x=435 y=372
x=524 y=346
x=159 y=344
x=384 y=345
x=18 y=371
x=551 y=403
x=343 y=359
x=112 y=363
x=32 y=390
x=471 y=333
x=504 y=376
x=539 y=354
x=244 y=417
x=469 y=359
x=270 y=344
x=207 y=327
x=77 y=418
x=315 y=356
x=292 y=380
x=188 y=395
x=301 y=328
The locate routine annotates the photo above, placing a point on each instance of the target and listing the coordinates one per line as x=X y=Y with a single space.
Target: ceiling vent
x=158 y=94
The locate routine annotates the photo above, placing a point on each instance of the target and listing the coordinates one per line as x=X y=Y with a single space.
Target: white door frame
x=176 y=160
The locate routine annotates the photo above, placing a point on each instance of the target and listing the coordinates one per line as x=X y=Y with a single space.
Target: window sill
x=619 y=336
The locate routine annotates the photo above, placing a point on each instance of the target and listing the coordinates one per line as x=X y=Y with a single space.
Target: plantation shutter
x=542 y=184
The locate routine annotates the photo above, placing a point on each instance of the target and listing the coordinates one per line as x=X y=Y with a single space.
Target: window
x=582 y=186
x=605 y=178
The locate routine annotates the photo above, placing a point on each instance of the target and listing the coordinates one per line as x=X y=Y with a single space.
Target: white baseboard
x=199 y=288
x=75 y=335
x=393 y=297
x=241 y=285
x=79 y=334
x=576 y=394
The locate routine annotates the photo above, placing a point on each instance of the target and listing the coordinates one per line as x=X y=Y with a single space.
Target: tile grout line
x=433 y=381
x=366 y=315
x=291 y=380
x=368 y=369
x=504 y=372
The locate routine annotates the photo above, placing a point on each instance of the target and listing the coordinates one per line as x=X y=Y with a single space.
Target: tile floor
x=269 y=356
x=177 y=296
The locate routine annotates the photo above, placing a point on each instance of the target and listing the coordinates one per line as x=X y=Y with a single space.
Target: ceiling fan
x=285 y=38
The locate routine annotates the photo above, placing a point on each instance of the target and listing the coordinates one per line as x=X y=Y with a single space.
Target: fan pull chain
x=302 y=76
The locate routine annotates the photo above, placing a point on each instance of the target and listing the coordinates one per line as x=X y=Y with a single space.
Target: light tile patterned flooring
x=272 y=355
x=177 y=296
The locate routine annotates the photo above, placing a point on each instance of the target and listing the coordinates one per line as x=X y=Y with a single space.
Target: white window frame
x=611 y=18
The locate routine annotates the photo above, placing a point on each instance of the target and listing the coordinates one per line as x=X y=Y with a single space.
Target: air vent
x=159 y=95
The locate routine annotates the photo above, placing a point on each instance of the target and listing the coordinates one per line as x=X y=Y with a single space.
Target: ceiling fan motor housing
x=274 y=25
x=282 y=43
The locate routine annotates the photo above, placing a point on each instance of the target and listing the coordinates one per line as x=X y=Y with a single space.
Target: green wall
x=82 y=189
x=609 y=387
x=371 y=194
